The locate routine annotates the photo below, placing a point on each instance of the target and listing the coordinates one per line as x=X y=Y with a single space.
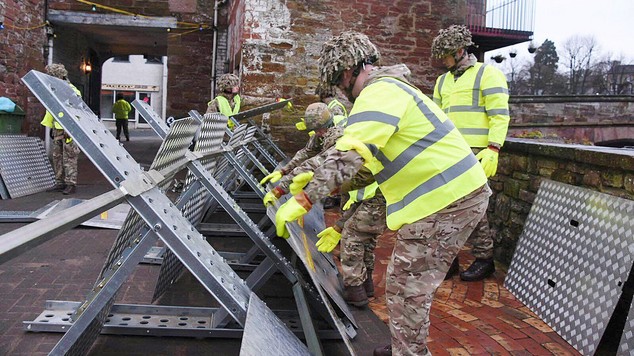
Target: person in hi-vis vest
x=435 y=189
x=475 y=97
x=65 y=151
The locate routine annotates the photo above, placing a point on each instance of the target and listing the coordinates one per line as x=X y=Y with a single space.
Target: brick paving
x=467 y=318
x=474 y=318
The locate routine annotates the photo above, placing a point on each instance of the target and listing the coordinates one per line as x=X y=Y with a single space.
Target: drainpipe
x=49 y=60
x=164 y=89
x=217 y=3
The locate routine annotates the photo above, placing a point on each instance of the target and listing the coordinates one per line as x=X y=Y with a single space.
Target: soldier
x=434 y=187
x=65 y=151
x=319 y=119
x=228 y=100
x=359 y=228
x=475 y=97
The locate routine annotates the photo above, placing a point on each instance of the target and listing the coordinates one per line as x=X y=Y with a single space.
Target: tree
x=578 y=54
x=543 y=72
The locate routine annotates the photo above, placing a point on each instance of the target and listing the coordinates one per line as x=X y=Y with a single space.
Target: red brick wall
x=281 y=43
x=21 y=49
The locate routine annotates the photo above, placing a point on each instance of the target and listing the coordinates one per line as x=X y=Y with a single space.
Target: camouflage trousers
x=481 y=240
x=422 y=254
x=358 y=240
x=65 y=157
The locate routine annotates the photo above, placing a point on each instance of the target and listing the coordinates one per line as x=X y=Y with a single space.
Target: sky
x=610 y=22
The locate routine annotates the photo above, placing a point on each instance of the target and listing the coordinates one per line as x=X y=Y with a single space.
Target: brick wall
x=595 y=118
x=281 y=43
x=525 y=163
x=22 y=48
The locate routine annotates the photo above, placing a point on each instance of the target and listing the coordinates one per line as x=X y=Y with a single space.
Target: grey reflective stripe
x=360 y=194
x=390 y=168
x=434 y=182
x=373 y=149
x=373 y=116
x=498 y=112
x=466 y=108
x=474 y=131
x=498 y=90
x=441 y=81
x=441 y=129
x=475 y=100
x=336 y=102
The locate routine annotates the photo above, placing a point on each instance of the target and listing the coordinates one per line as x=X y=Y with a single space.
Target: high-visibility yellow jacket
x=49 y=120
x=225 y=108
x=362 y=194
x=424 y=163
x=477 y=103
x=121 y=109
x=338 y=120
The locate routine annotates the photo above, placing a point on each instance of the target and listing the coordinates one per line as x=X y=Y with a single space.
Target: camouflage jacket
x=311 y=163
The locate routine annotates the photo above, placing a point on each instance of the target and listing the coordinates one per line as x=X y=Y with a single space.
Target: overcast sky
x=611 y=22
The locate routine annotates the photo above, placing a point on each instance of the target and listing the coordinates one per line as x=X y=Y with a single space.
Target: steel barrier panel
x=24 y=165
x=572 y=260
x=276 y=339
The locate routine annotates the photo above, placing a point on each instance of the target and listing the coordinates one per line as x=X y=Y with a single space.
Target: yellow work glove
x=289 y=104
x=292 y=210
x=301 y=126
x=348 y=204
x=269 y=199
x=489 y=161
x=273 y=177
x=300 y=181
x=328 y=240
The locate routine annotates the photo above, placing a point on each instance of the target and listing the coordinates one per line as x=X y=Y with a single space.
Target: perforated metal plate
x=24 y=166
x=627 y=339
x=572 y=260
x=274 y=339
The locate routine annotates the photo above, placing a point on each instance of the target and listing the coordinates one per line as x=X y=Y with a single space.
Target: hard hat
x=343 y=52
x=317 y=116
x=57 y=70
x=450 y=40
x=227 y=81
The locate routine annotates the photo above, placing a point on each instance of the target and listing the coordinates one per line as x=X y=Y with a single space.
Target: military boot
x=58 y=187
x=355 y=295
x=70 y=189
x=480 y=269
x=368 y=284
x=453 y=269
x=383 y=351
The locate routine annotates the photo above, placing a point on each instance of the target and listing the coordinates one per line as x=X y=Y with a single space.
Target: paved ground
x=467 y=318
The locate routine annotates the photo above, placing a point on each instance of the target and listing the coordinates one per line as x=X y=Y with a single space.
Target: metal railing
x=512 y=15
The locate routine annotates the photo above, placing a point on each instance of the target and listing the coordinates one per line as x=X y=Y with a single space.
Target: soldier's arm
x=338 y=168
x=496 y=101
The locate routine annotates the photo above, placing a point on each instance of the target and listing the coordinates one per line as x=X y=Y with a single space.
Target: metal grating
x=274 y=339
x=24 y=166
x=573 y=259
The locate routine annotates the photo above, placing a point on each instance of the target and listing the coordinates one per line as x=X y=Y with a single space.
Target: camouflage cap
x=227 y=81
x=317 y=116
x=57 y=70
x=343 y=52
x=450 y=40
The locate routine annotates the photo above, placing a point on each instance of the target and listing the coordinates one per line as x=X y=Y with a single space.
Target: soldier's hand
x=273 y=177
x=489 y=161
x=328 y=240
x=300 y=181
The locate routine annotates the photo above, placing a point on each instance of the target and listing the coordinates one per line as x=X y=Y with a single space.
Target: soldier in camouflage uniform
x=65 y=151
x=475 y=97
x=435 y=189
x=318 y=118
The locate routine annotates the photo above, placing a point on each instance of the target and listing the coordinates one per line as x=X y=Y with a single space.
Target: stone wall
x=591 y=119
x=22 y=48
x=280 y=43
x=525 y=163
